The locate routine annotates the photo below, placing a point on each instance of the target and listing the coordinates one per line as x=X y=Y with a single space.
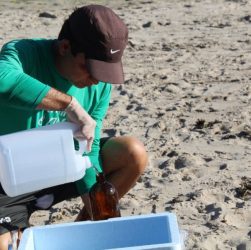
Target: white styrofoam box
x=153 y=231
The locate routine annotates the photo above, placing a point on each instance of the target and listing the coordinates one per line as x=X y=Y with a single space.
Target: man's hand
x=76 y=114
x=57 y=100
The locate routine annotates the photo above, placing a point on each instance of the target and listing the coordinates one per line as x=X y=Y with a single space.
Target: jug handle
x=82 y=147
x=68 y=125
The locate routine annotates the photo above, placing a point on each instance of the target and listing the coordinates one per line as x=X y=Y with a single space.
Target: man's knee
x=135 y=153
x=124 y=151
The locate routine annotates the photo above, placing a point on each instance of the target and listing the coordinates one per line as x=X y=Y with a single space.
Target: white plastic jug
x=39 y=158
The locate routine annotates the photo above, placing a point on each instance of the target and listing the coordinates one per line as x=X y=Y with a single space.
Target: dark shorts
x=16 y=211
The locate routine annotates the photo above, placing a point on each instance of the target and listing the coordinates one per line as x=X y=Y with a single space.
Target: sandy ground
x=187 y=97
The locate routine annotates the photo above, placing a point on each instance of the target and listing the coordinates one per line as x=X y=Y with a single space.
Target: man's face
x=75 y=71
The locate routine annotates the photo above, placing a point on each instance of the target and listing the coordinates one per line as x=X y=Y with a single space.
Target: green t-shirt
x=27 y=72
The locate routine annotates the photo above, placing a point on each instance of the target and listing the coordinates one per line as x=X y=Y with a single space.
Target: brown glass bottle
x=104 y=199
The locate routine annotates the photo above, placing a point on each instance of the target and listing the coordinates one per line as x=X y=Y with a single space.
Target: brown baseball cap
x=102 y=36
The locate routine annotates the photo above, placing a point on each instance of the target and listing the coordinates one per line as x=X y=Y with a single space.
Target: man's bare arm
x=55 y=100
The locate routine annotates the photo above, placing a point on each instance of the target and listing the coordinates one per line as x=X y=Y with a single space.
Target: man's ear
x=64 y=47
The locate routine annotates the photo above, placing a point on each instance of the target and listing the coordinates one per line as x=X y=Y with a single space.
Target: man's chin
x=80 y=84
x=85 y=83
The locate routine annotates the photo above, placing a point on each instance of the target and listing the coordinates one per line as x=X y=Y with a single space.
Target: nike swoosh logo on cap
x=114 y=51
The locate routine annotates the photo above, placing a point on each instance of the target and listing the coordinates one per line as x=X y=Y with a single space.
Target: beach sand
x=187 y=96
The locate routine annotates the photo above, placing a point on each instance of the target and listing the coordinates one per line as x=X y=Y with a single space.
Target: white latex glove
x=76 y=114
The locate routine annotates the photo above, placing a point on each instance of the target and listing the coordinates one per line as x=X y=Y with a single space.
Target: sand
x=187 y=96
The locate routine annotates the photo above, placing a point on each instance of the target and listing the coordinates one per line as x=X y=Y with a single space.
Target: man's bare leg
x=5 y=240
x=124 y=159
x=85 y=212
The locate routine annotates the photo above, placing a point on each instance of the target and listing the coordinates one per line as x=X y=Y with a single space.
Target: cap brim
x=106 y=72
